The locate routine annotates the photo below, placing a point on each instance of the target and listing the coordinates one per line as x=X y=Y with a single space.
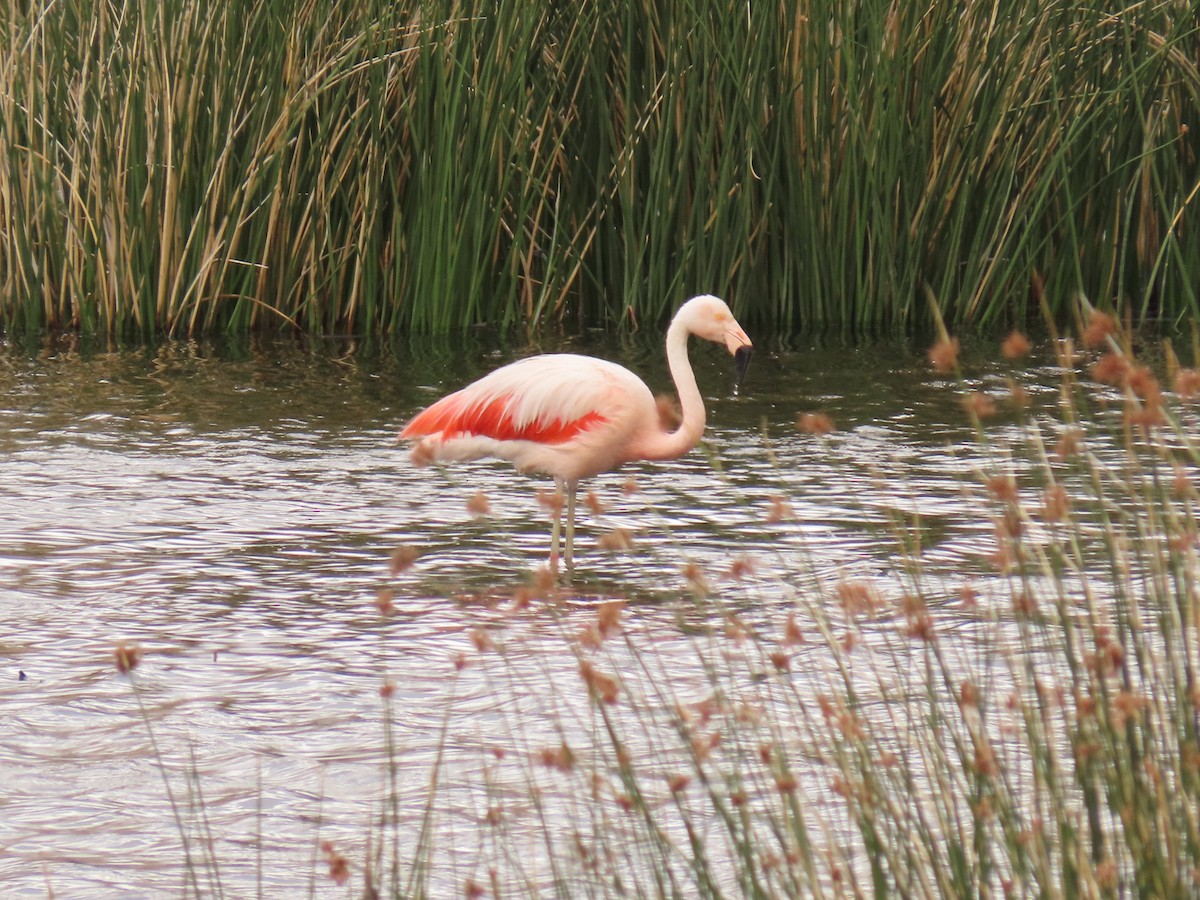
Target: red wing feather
x=453 y=417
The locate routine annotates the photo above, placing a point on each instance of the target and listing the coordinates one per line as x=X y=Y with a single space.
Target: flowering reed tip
x=944 y=354
x=127 y=657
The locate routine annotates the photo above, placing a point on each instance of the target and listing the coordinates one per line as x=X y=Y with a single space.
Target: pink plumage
x=573 y=416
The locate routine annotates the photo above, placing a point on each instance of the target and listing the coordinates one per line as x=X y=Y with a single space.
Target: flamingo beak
x=739 y=345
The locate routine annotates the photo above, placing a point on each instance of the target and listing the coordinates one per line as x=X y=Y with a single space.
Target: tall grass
x=1028 y=726
x=430 y=165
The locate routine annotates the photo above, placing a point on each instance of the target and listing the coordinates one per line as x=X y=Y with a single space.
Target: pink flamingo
x=573 y=416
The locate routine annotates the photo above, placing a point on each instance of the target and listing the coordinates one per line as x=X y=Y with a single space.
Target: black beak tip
x=741 y=362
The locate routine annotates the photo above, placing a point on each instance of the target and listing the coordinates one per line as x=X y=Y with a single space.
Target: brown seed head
x=815 y=423
x=600 y=686
x=741 y=568
x=858 y=597
x=944 y=355
x=1187 y=384
x=985 y=760
x=1068 y=443
x=482 y=640
x=1143 y=383
x=1003 y=488
x=617 y=539
x=1111 y=368
x=678 y=783
x=1100 y=326
x=402 y=559
x=968 y=694
x=780 y=510
x=479 y=505
x=968 y=596
x=980 y=404
x=608 y=616
x=551 y=501
x=561 y=758
x=792 y=634
x=696 y=579
x=1015 y=346
x=383 y=602
x=339 y=867
x=127 y=657
x=422 y=454
x=1056 y=503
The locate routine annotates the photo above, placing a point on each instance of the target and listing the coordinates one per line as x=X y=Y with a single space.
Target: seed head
x=741 y=568
x=608 y=616
x=479 y=505
x=561 y=758
x=1015 y=346
x=339 y=867
x=551 y=501
x=1111 y=368
x=780 y=510
x=944 y=354
x=1003 y=488
x=815 y=423
x=617 y=539
x=383 y=602
x=402 y=559
x=1100 y=326
x=482 y=640
x=792 y=634
x=1187 y=384
x=678 y=783
x=600 y=686
x=1056 y=503
x=127 y=657
x=695 y=579
x=980 y=404
x=1068 y=443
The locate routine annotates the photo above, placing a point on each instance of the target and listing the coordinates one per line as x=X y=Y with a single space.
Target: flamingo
x=572 y=416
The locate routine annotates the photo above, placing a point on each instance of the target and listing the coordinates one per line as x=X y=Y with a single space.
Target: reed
x=1029 y=726
x=426 y=166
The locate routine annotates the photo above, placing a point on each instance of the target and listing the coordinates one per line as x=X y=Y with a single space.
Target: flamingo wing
x=546 y=399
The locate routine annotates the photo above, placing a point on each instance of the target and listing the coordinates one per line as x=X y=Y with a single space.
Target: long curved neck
x=673 y=444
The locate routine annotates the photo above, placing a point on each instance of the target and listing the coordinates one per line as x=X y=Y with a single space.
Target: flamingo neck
x=673 y=444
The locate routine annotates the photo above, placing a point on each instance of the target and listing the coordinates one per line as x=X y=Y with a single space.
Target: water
x=233 y=510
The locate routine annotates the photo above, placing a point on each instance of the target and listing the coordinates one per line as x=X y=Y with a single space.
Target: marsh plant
x=1024 y=726
x=428 y=165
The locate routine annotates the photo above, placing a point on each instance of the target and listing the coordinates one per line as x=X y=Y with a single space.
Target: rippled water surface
x=233 y=511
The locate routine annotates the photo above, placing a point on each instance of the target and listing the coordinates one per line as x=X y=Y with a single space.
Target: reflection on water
x=233 y=511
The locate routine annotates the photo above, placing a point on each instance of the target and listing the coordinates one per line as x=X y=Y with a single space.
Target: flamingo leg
x=556 y=515
x=572 y=487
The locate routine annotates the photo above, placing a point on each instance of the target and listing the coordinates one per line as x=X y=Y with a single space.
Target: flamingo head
x=709 y=317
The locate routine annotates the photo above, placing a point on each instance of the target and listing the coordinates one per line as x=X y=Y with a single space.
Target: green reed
x=426 y=166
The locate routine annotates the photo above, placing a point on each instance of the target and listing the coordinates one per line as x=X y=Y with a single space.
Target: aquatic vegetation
x=1029 y=725
x=426 y=166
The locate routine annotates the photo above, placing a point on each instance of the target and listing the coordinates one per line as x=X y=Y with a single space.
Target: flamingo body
x=572 y=416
